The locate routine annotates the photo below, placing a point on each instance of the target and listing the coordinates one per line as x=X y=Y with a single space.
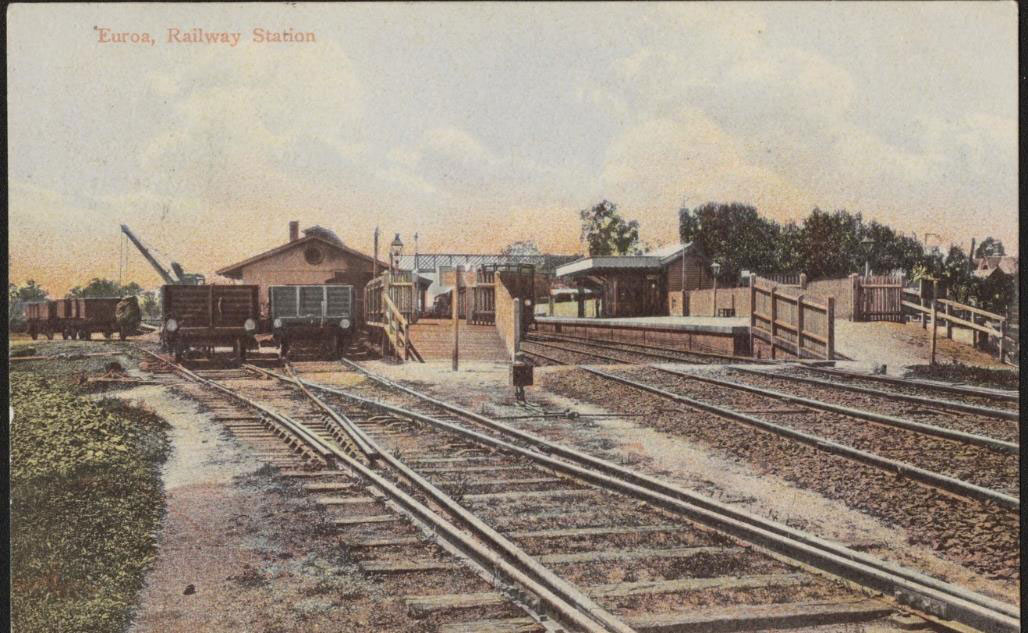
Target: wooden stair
x=433 y=339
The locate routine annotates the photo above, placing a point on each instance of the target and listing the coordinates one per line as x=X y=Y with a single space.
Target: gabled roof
x=235 y=271
x=985 y=266
x=653 y=260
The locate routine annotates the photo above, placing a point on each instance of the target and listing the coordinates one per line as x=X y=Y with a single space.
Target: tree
x=150 y=305
x=734 y=235
x=960 y=284
x=104 y=288
x=990 y=247
x=522 y=247
x=18 y=296
x=605 y=232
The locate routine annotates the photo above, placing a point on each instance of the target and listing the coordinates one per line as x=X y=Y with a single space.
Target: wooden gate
x=879 y=298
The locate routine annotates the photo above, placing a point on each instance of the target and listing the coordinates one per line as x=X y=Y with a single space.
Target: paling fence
x=785 y=322
x=879 y=298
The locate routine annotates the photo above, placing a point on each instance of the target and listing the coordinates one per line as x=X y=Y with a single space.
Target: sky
x=475 y=125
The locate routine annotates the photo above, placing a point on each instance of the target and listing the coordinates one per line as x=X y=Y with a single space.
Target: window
x=313 y=255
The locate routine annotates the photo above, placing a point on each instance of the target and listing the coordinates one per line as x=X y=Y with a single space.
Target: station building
x=319 y=257
x=651 y=284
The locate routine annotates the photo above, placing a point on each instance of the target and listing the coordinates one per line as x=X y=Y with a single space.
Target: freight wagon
x=320 y=315
x=79 y=318
x=202 y=318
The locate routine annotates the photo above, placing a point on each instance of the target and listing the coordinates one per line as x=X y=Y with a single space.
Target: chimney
x=294 y=230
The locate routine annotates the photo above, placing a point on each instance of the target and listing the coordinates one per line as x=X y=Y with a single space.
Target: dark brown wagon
x=202 y=318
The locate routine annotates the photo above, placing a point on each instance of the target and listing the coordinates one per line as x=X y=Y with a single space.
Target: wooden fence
x=879 y=298
x=793 y=324
x=389 y=308
x=990 y=329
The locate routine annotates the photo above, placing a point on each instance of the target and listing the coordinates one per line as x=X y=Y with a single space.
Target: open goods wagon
x=304 y=316
x=81 y=318
x=202 y=318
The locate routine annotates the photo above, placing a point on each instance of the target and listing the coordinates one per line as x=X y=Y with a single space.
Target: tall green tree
x=732 y=234
x=98 y=287
x=605 y=232
x=18 y=296
x=990 y=247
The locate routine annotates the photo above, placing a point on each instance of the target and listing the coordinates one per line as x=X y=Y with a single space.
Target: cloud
x=660 y=163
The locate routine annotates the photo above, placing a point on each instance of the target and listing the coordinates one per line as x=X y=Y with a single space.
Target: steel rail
x=888 y=420
x=928 y=402
x=356 y=436
x=959 y=604
x=300 y=432
x=560 y=596
x=981 y=392
x=910 y=425
x=598 y=618
x=934 y=479
x=657 y=352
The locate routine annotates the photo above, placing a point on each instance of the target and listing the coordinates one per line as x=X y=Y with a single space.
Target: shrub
x=86 y=504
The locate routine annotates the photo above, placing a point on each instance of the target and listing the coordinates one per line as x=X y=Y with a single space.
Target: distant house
x=650 y=284
x=986 y=267
x=319 y=257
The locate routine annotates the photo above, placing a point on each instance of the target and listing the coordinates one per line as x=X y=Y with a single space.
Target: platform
x=722 y=335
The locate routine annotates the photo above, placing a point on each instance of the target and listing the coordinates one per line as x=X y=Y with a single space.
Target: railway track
x=982 y=426
x=967 y=464
x=659 y=354
x=574 y=525
x=986 y=512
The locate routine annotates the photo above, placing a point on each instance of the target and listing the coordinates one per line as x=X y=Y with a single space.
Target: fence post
x=855 y=296
x=774 y=318
x=753 y=314
x=935 y=329
x=459 y=272
x=517 y=327
x=1002 y=340
x=803 y=281
x=922 y=288
x=831 y=328
x=549 y=304
x=799 y=325
x=949 y=324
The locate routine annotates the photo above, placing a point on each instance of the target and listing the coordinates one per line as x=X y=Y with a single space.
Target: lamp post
x=395 y=251
x=715 y=268
x=868 y=244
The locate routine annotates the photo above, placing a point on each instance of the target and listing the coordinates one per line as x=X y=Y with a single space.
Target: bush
x=86 y=504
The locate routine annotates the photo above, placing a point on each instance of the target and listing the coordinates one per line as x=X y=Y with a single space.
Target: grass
x=969 y=374
x=86 y=505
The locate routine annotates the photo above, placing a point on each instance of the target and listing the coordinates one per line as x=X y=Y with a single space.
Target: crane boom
x=165 y=275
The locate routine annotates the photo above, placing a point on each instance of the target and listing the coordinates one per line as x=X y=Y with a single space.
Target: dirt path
x=898 y=345
x=238 y=547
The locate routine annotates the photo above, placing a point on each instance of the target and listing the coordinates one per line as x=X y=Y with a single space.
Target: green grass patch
x=86 y=505
x=958 y=372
